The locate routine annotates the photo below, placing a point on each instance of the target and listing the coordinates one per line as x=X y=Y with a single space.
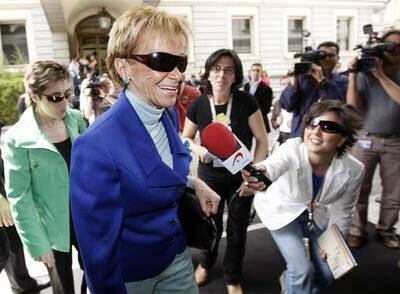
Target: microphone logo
x=238 y=158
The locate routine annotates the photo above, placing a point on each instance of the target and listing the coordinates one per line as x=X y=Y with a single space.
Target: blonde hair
x=131 y=28
x=42 y=73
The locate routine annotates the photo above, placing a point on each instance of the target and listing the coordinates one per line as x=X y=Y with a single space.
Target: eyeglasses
x=326 y=126
x=161 y=61
x=226 y=70
x=329 y=54
x=56 y=99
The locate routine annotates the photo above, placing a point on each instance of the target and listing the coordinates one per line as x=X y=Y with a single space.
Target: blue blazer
x=124 y=199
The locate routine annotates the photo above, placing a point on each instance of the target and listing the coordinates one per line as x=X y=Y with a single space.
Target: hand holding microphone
x=232 y=153
x=253 y=182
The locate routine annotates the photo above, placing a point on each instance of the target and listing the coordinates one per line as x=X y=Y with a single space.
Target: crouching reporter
x=315 y=183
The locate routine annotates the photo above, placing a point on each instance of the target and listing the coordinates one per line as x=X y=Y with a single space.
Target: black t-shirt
x=243 y=106
x=64 y=148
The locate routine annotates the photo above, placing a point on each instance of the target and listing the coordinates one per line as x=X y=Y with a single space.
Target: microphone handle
x=261 y=177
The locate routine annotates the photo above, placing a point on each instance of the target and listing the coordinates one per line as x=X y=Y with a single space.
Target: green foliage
x=11 y=87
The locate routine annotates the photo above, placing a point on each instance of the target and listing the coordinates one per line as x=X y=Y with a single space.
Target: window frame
x=2 y=55
x=251 y=13
x=18 y=16
x=353 y=31
x=294 y=13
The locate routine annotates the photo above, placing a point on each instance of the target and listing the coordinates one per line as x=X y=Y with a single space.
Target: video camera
x=94 y=86
x=372 y=49
x=308 y=57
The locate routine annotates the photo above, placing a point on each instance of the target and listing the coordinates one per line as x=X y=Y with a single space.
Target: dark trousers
x=4 y=248
x=61 y=275
x=386 y=153
x=12 y=259
x=225 y=185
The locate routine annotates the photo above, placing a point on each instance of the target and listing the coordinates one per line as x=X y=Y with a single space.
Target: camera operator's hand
x=378 y=72
x=316 y=73
x=352 y=66
x=87 y=91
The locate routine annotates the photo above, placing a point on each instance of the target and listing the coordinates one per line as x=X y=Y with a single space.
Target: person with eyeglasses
x=323 y=84
x=223 y=102
x=316 y=183
x=37 y=153
x=376 y=95
x=130 y=168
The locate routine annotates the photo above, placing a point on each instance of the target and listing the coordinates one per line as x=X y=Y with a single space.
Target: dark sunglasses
x=327 y=54
x=56 y=99
x=326 y=126
x=161 y=61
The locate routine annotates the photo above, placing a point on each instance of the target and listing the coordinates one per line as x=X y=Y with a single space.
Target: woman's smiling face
x=323 y=143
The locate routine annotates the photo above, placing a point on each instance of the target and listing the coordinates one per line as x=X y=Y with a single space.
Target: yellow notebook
x=340 y=259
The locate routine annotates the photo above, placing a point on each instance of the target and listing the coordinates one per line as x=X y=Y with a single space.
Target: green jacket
x=37 y=183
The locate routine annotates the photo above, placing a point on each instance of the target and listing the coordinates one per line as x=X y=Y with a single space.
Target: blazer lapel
x=144 y=149
x=32 y=136
x=335 y=178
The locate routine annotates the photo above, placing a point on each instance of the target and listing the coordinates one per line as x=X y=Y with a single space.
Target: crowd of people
x=112 y=190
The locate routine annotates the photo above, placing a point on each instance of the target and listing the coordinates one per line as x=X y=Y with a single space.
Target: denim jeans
x=302 y=275
x=177 y=278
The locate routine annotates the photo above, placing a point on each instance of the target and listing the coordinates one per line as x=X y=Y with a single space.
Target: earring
x=125 y=79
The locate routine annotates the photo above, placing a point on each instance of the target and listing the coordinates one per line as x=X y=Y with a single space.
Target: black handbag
x=200 y=230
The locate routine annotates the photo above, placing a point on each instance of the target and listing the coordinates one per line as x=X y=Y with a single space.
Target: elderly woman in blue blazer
x=316 y=183
x=130 y=168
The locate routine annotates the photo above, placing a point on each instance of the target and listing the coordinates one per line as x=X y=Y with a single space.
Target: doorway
x=91 y=38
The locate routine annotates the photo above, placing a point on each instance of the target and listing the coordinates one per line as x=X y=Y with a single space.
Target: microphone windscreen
x=219 y=140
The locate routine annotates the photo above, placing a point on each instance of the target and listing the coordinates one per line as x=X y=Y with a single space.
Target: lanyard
x=226 y=119
x=311 y=207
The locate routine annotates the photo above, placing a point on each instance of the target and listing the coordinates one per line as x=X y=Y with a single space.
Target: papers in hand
x=340 y=259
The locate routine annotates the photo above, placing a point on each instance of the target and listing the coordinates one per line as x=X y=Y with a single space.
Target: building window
x=241 y=34
x=14 y=44
x=295 y=34
x=343 y=33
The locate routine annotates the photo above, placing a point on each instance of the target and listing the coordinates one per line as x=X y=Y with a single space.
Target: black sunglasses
x=161 y=61
x=326 y=126
x=56 y=99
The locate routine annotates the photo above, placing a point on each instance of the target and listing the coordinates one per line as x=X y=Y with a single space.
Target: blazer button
x=174 y=221
x=173 y=239
x=174 y=204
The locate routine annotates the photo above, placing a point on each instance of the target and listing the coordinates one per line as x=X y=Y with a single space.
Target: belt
x=384 y=136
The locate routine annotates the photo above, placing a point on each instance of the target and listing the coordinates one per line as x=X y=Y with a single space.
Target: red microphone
x=232 y=153
x=219 y=140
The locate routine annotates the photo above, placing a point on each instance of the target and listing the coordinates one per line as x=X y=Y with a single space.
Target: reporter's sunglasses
x=326 y=126
x=161 y=61
x=56 y=99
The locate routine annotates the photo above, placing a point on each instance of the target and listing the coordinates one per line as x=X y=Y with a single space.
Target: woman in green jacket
x=36 y=159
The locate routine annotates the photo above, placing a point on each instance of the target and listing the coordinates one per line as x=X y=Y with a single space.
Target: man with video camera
x=374 y=89
x=312 y=81
x=99 y=98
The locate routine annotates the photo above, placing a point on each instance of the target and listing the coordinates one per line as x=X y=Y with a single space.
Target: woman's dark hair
x=212 y=60
x=348 y=116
